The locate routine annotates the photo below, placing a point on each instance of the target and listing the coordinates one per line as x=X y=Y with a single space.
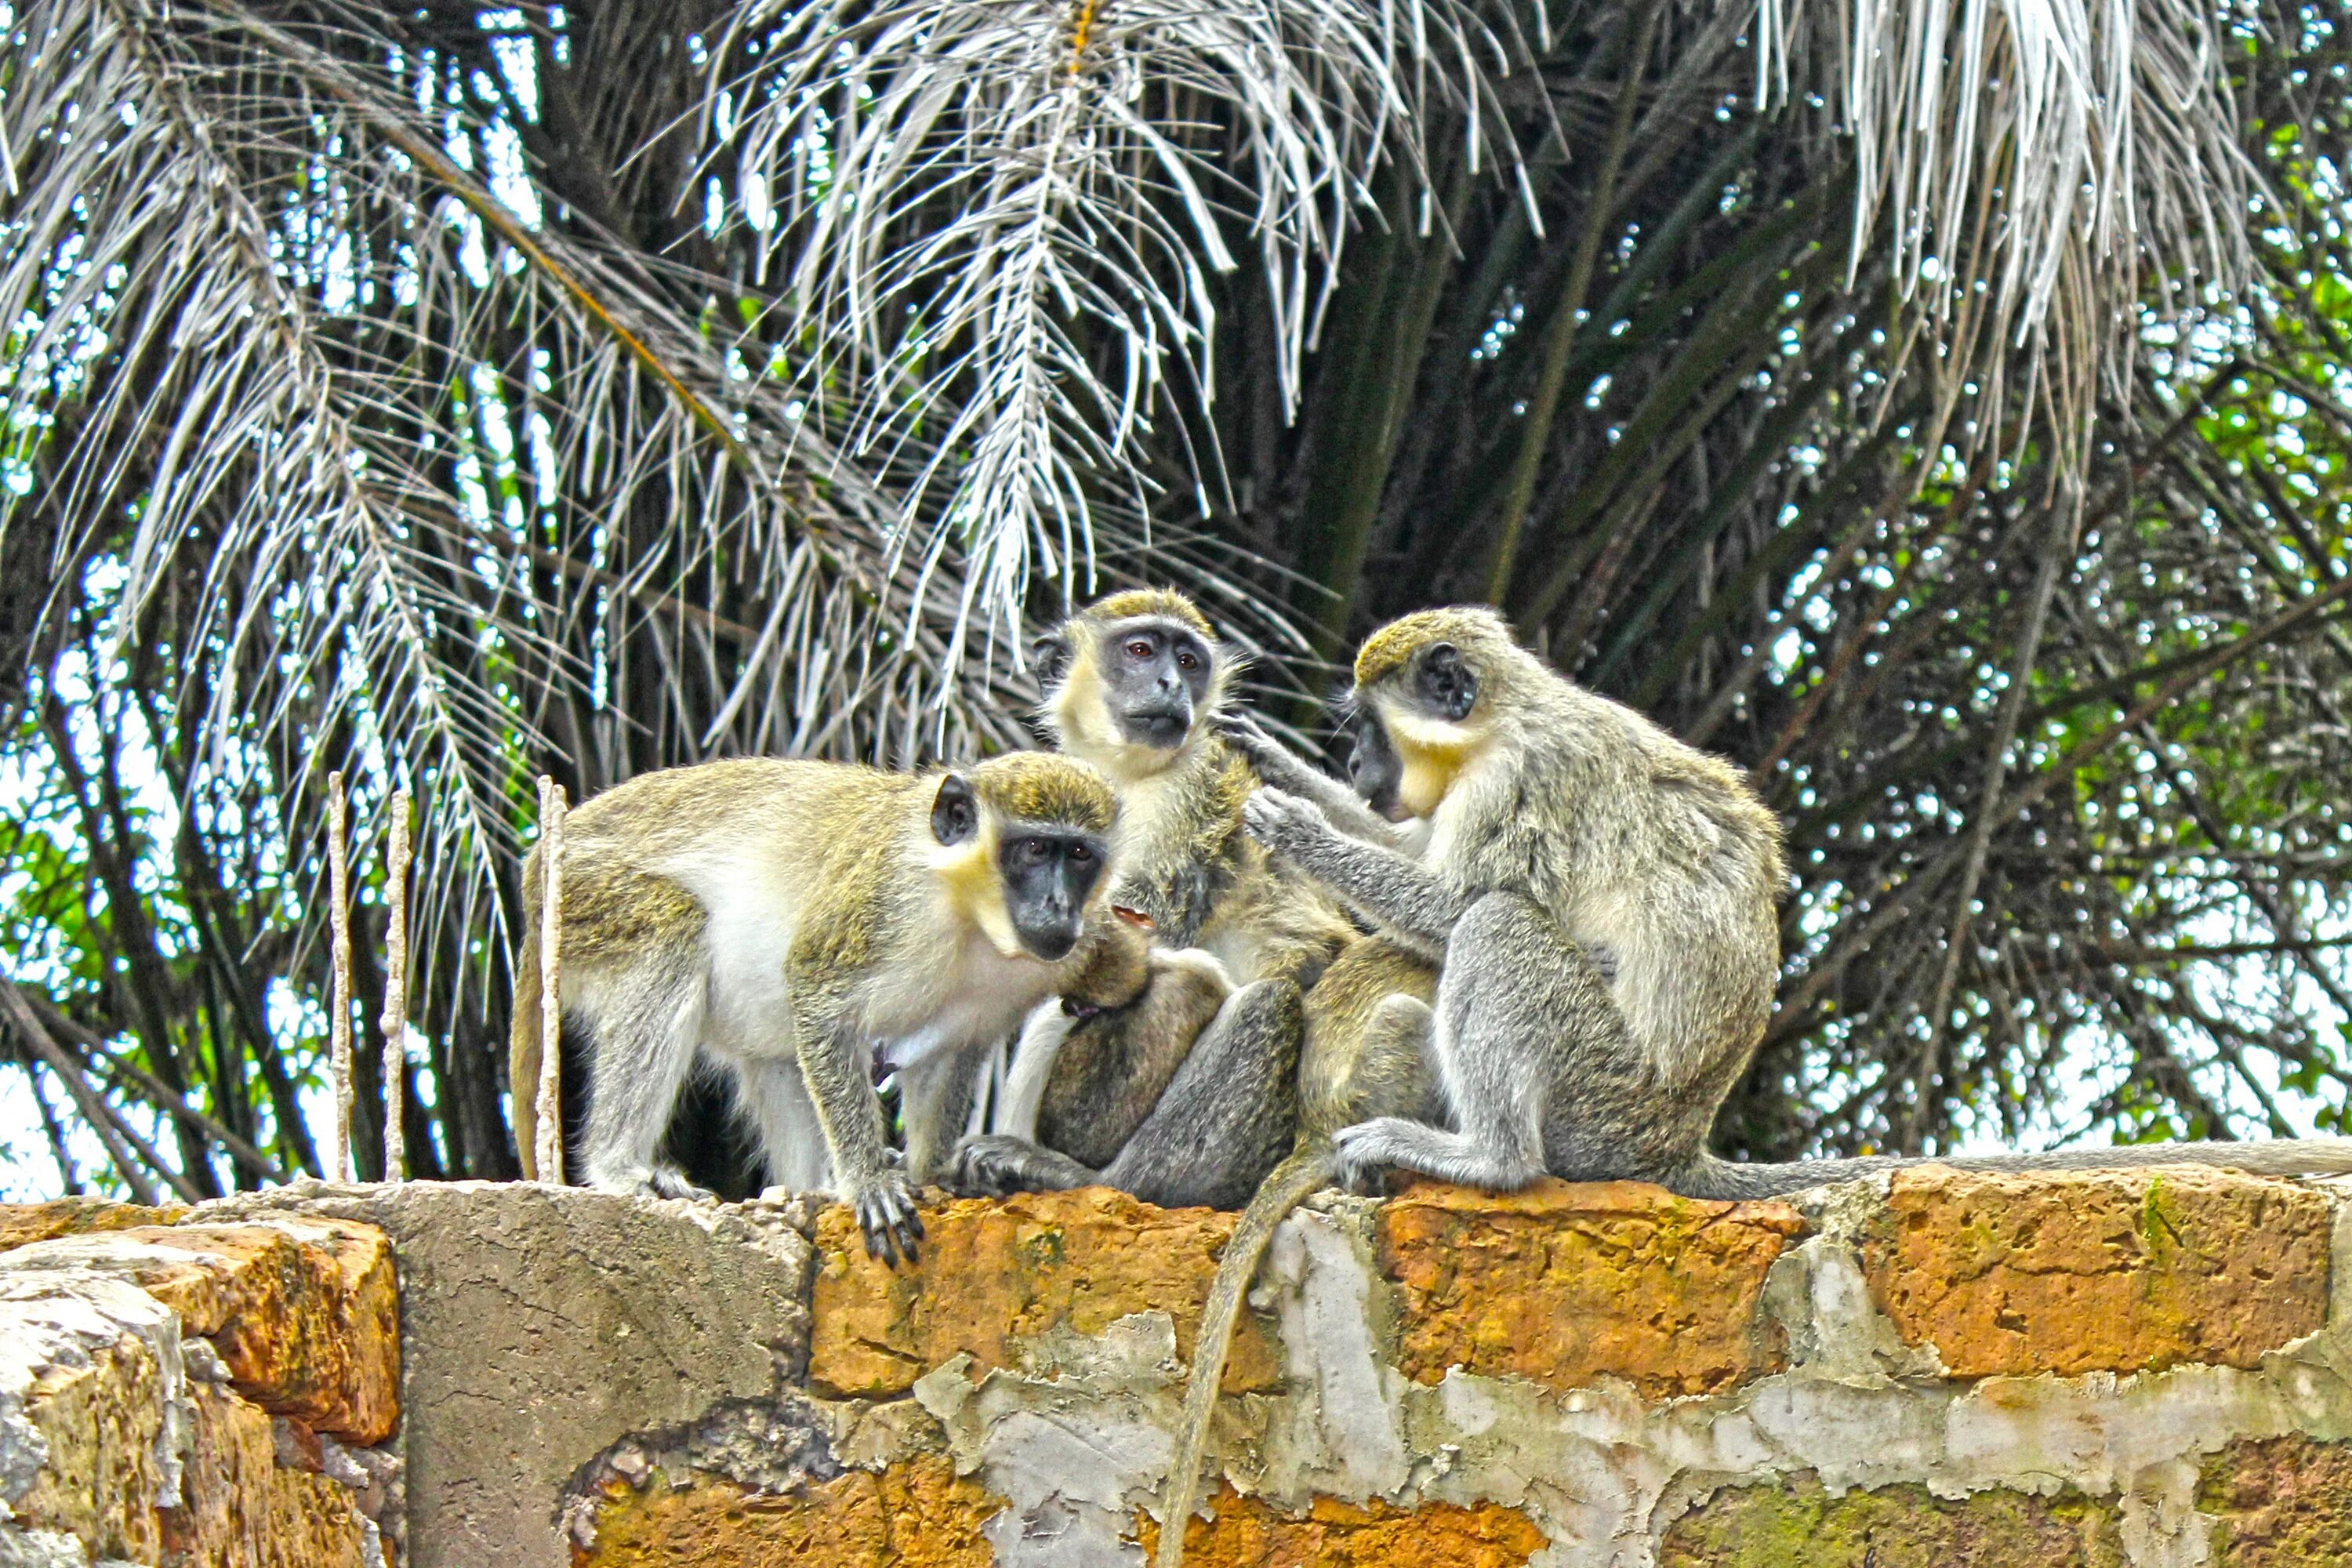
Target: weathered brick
x=92 y=1422
x=1564 y=1283
x=304 y=1312
x=915 y=1514
x=1798 y=1525
x=1248 y=1533
x=992 y=1274
x=2081 y=1271
x=2284 y=1503
x=23 y=1224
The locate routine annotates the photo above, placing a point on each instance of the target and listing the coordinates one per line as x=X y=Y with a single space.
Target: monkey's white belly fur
x=972 y=995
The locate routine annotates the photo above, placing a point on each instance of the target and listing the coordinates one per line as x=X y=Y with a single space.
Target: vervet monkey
x=1602 y=897
x=1149 y=1042
x=808 y=926
x=1133 y=685
x=1550 y=825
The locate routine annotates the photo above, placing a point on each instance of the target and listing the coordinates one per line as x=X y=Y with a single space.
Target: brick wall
x=2147 y=1369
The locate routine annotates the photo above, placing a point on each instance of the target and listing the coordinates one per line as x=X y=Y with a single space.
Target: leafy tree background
x=453 y=394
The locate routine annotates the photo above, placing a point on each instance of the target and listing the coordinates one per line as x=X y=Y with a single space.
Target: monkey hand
x=1267 y=757
x=885 y=1206
x=1285 y=823
x=997 y=1165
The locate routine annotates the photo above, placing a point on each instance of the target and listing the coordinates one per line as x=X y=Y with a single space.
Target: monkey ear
x=1052 y=653
x=1133 y=917
x=1448 y=682
x=955 y=812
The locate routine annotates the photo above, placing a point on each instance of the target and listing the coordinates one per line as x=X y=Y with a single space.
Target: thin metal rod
x=550 y=977
x=339 y=1028
x=394 y=1020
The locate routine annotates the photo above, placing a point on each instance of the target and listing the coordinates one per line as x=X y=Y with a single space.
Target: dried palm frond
x=2030 y=156
x=996 y=223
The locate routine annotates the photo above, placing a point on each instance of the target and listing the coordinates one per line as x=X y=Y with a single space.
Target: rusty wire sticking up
x=339 y=1028
x=395 y=1018
x=549 y=1103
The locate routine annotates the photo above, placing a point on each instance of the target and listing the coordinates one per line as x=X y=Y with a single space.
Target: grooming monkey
x=807 y=926
x=1133 y=685
x=1551 y=825
x=1603 y=899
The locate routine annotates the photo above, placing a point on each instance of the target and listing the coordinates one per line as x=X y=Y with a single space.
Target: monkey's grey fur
x=1552 y=824
x=1134 y=685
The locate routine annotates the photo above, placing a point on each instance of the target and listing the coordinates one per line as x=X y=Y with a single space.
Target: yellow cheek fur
x=967 y=875
x=1431 y=754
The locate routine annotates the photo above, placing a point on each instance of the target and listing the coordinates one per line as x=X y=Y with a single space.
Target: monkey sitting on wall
x=1145 y=1026
x=805 y=926
x=1544 y=823
x=1134 y=684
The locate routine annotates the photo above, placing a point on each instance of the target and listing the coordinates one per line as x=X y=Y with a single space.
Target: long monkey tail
x=1305 y=1171
x=1709 y=1177
x=524 y=1031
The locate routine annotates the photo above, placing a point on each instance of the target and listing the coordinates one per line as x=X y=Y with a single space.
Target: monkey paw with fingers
x=653 y=1182
x=1268 y=756
x=1285 y=823
x=884 y=1207
x=997 y=1165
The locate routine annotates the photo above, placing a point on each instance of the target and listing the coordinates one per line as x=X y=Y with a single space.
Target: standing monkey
x=1134 y=684
x=807 y=926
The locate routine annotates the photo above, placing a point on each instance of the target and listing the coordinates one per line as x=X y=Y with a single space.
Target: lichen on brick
x=993 y=1275
x=1797 y=1524
x=916 y=1514
x=1246 y=1533
x=2283 y=1502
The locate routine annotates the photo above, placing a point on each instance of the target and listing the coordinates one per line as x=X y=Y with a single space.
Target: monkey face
x=1048 y=873
x=1155 y=673
x=1373 y=768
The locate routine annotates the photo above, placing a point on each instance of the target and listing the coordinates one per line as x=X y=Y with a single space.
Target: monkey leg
x=1522 y=1015
x=934 y=1103
x=1230 y=1113
x=643 y=1025
x=774 y=1100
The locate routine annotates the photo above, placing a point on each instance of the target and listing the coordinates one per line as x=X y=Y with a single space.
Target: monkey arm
x=1393 y=889
x=832 y=1062
x=1277 y=764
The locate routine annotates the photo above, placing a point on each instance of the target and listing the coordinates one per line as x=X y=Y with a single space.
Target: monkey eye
x=1036 y=849
x=1186 y=659
x=1080 y=852
x=1139 y=648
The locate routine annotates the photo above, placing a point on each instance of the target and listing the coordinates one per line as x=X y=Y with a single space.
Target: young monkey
x=1134 y=684
x=806 y=926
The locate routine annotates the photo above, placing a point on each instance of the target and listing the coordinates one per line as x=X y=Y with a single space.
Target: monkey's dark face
x=1155 y=674
x=1373 y=766
x=1048 y=874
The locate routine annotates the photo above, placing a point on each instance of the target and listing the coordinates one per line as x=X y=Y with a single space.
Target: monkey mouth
x=1164 y=730
x=1082 y=1011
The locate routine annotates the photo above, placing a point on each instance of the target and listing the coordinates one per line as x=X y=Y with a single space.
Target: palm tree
x=1934 y=407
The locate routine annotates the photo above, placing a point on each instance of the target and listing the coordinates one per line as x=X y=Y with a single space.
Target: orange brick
x=995 y=1272
x=1248 y=1534
x=1564 y=1282
x=916 y=1514
x=2082 y=1271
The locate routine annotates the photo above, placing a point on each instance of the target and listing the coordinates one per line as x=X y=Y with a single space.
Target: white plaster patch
x=1336 y=1431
